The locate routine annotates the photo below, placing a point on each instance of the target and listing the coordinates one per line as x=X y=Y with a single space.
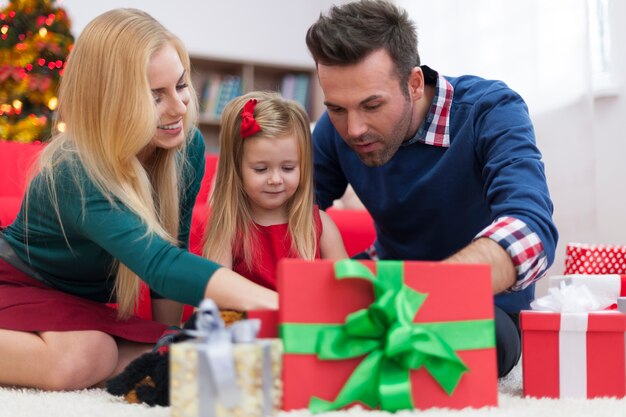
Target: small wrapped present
x=391 y=335
x=225 y=371
x=569 y=349
x=582 y=258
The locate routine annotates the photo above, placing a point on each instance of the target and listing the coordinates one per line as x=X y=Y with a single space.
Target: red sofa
x=356 y=226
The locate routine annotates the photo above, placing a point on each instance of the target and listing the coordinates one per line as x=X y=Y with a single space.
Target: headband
x=249 y=126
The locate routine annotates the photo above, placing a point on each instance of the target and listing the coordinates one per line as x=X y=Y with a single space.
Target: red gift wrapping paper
x=583 y=258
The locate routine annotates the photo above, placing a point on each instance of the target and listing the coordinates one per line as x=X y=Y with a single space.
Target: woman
x=111 y=204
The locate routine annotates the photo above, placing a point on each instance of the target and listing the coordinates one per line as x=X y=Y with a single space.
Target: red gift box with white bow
x=573 y=353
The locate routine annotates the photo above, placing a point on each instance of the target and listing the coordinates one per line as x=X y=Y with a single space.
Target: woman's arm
x=331 y=243
x=231 y=291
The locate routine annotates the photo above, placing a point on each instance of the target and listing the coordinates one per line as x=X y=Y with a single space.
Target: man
x=447 y=167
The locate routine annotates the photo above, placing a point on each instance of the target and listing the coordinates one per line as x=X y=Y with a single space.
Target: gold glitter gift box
x=197 y=391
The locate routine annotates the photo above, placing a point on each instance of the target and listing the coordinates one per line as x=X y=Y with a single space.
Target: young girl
x=262 y=206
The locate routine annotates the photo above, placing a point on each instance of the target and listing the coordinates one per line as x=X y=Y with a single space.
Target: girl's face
x=271 y=175
x=166 y=76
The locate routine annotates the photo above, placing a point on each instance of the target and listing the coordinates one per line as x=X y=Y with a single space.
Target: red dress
x=272 y=244
x=29 y=305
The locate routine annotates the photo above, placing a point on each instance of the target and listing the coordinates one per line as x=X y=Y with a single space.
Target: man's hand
x=486 y=251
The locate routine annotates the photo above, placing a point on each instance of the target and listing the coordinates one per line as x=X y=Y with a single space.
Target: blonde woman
x=111 y=205
x=262 y=206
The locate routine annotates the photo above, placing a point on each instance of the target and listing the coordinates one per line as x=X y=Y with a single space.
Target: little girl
x=262 y=206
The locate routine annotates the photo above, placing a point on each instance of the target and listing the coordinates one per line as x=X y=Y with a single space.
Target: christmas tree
x=35 y=40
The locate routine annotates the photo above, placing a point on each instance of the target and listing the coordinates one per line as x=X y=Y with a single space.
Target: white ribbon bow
x=572 y=298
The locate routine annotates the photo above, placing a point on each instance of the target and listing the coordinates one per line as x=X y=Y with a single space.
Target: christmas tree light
x=35 y=41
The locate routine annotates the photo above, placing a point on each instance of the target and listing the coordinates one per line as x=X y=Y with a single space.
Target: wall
x=266 y=31
x=609 y=134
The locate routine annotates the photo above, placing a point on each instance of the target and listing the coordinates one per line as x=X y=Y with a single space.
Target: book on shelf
x=229 y=89
x=288 y=86
x=296 y=87
x=210 y=94
x=218 y=91
x=301 y=90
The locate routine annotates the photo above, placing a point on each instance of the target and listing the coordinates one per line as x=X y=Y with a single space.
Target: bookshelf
x=216 y=81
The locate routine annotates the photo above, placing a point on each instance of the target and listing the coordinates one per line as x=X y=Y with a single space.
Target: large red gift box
x=456 y=304
x=573 y=355
x=583 y=258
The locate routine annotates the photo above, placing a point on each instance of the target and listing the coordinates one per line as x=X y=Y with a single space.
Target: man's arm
x=487 y=251
x=515 y=189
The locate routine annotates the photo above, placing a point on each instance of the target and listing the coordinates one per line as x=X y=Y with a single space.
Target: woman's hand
x=232 y=291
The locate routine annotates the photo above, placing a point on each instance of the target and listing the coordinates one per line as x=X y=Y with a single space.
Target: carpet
x=98 y=403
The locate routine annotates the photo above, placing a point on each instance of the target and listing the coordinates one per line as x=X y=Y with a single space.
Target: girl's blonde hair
x=231 y=217
x=110 y=116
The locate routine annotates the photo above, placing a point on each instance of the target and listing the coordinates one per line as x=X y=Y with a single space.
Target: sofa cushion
x=356 y=228
x=15 y=162
x=207 y=181
x=9 y=207
x=198 y=223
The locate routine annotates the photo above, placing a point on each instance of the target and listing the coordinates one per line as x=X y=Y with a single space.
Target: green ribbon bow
x=392 y=343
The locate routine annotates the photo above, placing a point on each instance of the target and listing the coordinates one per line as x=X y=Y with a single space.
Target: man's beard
x=390 y=145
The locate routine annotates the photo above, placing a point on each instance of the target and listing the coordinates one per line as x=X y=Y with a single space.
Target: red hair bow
x=249 y=126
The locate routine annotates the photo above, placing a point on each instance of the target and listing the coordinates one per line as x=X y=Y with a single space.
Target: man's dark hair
x=350 y=32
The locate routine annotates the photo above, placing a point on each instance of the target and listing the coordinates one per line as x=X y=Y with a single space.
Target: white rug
x=98 y=403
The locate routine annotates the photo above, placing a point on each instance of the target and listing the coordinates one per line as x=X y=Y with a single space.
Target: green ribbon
x=392 y=344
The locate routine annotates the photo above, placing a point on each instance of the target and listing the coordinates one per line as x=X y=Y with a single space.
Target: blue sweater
x=429 y=202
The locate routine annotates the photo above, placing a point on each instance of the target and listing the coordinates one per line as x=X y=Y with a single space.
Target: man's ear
x=416 y=84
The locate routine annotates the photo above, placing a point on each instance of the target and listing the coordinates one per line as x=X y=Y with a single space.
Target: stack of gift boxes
x=389 y=335
x=399 y=335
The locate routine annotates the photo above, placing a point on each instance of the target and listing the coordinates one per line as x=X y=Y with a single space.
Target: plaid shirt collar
x=434 y=129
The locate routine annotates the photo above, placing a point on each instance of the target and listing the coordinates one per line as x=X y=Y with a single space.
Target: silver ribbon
x=216 y=358
x=268 y=380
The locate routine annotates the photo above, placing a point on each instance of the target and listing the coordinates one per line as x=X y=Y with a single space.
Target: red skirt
x=29 y=305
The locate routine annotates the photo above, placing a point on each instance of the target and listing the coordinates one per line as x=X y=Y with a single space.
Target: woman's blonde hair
x=110 y=116
x=231 y=217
